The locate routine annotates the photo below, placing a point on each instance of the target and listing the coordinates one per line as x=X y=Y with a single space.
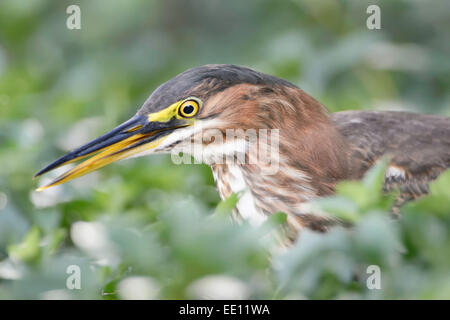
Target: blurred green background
x=143 y=228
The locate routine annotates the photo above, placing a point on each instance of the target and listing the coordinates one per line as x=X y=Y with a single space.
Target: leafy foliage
x=174 y=255
x=147 y=228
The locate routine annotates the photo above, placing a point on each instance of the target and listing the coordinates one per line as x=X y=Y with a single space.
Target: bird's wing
x=417 y=146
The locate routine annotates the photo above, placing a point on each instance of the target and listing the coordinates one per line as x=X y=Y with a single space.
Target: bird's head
x=210 y=96
x=218 y=97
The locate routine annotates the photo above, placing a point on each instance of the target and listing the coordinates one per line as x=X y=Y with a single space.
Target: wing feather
x=417 y=146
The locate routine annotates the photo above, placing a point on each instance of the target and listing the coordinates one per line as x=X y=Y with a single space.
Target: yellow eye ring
x=188 y=108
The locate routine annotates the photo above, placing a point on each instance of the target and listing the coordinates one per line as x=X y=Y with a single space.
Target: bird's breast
x=230 y=179
x=260 y=196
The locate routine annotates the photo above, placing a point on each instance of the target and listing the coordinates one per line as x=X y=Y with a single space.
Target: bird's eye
x=188 y=109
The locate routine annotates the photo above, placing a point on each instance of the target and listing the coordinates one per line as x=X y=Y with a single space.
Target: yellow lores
x=180 y=110
x=139 y=134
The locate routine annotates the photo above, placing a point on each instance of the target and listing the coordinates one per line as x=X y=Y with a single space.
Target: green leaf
x=354 y=191
x=374 y=178
x=29 y=248
x=277 y=218
x=56 y=239
x=274 y=221
x=340 y=207
x=225 y=207
x=441 y=186
x=437 y=202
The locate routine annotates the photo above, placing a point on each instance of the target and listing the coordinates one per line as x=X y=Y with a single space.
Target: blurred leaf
x=437 y=202
x=29 y=249
x=225 y=207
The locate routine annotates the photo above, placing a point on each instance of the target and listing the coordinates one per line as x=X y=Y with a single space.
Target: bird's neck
x=313 y=157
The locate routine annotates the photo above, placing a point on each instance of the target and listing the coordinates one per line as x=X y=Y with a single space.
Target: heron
x=316 y=148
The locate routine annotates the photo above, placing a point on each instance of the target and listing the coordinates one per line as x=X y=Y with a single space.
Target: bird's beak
x=130 y=138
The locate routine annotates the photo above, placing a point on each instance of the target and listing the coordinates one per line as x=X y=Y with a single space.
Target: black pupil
x=188 y=109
